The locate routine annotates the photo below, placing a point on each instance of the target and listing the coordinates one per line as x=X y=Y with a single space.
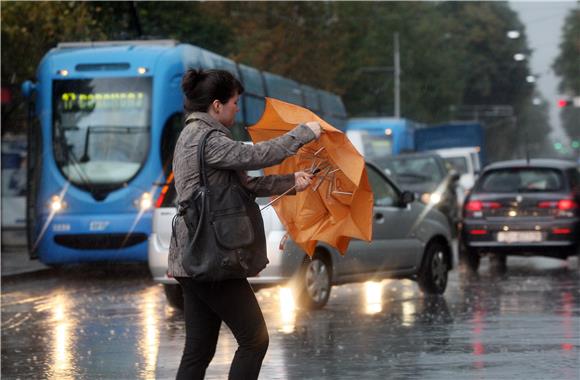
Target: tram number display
x=75 y=102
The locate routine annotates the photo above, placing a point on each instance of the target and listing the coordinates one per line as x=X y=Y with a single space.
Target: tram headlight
x=145 y=202
x=57 y=204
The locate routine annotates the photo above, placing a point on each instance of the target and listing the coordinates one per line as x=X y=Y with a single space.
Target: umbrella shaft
x=278 y=197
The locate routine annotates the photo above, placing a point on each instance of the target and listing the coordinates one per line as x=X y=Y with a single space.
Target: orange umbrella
x=339 y=203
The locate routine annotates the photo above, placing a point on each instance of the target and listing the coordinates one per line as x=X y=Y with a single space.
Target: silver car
x=410 y=240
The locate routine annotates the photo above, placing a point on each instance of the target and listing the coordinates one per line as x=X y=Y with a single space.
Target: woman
x=211 y=99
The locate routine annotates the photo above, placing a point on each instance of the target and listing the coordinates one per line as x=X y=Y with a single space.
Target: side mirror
x=407 y=197
x=28 y=88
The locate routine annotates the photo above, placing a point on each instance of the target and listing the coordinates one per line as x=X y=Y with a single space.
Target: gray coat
x=227 y=160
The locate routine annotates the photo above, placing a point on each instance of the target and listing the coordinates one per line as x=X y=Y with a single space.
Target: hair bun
x=191 y=79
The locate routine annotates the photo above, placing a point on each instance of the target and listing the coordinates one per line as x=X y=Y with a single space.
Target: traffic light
x=569 y=102
x=575 y=144
x=558 y=146
x=564 y=103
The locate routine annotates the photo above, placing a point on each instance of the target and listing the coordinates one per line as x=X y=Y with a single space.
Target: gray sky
x=544 y=21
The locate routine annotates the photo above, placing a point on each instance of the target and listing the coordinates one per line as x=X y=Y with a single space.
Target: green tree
x=28 y=31
x=567 y=66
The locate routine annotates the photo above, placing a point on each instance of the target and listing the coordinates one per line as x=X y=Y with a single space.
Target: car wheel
x=469 y=258
x=498 y=262
x=174 y=295
x=432 y=277
x=314 y=283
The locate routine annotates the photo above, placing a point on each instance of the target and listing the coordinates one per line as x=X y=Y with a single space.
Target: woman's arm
x=222 y=152
x=265 y=186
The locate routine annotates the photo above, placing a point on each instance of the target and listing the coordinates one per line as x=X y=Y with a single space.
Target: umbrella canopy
x=338 y=204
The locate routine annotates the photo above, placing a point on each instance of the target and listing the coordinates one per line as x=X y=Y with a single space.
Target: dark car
x=430 y=177
x=521 y=207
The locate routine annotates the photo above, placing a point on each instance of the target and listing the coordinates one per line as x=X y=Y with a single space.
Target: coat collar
x=205 y=117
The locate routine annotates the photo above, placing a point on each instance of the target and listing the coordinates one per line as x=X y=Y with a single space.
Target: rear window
x=521 y=180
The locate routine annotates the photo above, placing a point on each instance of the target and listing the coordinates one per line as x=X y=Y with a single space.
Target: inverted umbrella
x=338 y=204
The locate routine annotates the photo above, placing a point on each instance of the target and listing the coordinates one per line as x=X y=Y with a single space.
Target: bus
x=378 y=137
x=104 y=120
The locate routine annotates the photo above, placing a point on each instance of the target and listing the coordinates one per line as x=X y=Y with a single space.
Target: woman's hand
x=315 y=128
x=303 y=180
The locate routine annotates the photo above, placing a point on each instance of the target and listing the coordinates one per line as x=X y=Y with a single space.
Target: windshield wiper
x=70 y=157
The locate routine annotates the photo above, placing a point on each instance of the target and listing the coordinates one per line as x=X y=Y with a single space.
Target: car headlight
x=431 y=198
x=145 y=202
x=56 y=204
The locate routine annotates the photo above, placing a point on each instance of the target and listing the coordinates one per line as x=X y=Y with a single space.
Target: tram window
x=171 y=131
x=311 y=98
x=283 y=89
x=252 y=81
x=254 y=108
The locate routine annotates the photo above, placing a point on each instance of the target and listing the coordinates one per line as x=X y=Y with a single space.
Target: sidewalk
x=14 y=256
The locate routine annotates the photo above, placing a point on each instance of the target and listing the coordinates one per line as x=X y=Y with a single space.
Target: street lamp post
x=395 y=69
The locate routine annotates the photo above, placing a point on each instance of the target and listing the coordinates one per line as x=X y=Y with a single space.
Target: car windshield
x=409 y=170
x=458 y=163
x=513 y=180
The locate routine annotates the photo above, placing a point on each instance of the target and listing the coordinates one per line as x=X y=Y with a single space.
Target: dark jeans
x=206 y=305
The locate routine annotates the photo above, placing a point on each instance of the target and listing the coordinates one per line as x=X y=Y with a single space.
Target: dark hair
x=202 y=87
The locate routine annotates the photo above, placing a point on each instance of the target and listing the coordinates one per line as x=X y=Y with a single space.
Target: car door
x=394 y=245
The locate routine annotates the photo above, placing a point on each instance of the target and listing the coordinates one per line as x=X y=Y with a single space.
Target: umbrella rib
x=321 y=178
x=341 y=192
x=318 y=151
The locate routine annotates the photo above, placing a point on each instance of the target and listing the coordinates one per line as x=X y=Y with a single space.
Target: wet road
x=524 y=324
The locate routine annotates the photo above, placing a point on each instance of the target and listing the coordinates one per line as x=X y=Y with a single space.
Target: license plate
x=519 y=236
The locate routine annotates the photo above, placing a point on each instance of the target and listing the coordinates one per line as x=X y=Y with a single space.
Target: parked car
x=430 y=177
x=522 y=208
x=409 y=241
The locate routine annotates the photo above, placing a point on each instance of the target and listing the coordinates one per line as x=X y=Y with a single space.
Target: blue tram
x=105 y=117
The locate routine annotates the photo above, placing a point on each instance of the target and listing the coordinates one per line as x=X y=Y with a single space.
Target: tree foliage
x=567 y=66
x=451 y=53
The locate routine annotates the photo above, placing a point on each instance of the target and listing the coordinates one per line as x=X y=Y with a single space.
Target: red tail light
x=164 y=191
x=473 y=206
x=162 y=196
x=479 y=205
x=561 y=231
x=478 y=232
x=567 y=204
x=562 y=204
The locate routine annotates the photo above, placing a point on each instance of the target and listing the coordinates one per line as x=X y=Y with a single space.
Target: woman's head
x=212 y=91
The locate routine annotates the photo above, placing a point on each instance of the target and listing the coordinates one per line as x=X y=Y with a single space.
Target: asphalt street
x=111 y=322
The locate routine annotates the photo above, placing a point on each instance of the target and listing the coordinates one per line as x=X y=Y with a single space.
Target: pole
x=397 y=73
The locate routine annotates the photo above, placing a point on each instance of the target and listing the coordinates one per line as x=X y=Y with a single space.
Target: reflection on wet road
x=524 y=324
